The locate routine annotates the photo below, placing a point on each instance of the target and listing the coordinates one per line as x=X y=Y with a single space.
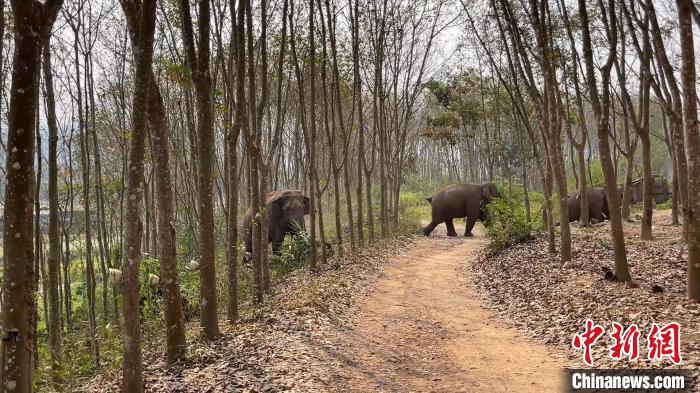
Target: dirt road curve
x=423 y=330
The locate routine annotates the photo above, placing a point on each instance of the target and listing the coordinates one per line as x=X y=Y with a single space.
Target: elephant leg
x=276 y=238
x=248 y=245
x=429 y=229
x=450 y=228
x=471 y=220
x=599 y=216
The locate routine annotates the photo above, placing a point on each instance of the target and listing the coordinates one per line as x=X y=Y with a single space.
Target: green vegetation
x=294 y=253
x=78 y=362
x=509 y=225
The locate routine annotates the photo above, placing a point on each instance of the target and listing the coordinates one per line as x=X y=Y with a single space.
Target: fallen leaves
x=528 y=288
x=278 y=346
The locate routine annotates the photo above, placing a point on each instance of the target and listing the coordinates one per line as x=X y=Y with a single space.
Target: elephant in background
x=598 y=209
x=285 y=215
x=458 y=201
x=597 y=205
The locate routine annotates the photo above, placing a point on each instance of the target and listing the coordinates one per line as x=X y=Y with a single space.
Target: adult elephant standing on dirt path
x=458 y=201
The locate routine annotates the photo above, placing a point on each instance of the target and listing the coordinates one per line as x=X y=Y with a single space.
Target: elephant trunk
x=296 y=225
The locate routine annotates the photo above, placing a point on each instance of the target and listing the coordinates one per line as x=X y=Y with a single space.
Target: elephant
x=598 y=209
x=458 y=201
x=597 y=205
x=285 y=215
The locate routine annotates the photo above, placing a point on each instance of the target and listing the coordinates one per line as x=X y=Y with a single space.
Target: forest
x=150 y=146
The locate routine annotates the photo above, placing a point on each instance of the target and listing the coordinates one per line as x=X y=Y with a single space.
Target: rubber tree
x=600 y=103
x=692 y=139
x=197 y=59
x=33 y=21
x=132 y=369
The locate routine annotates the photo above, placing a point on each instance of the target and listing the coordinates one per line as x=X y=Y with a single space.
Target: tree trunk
x=357 y=95
x=85 y=164
x=692 y=137
x=172 y=298
x=198 y=64
x=32 y=22
x=601 y=109
x=142 y=44
x=54 y=257
x=311 y=143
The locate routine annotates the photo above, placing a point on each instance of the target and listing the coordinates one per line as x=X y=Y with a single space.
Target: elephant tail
x=429 y=199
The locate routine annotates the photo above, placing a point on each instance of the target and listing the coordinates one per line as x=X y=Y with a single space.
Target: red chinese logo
x=665 y=342
x=626 y=342
x=585 y=340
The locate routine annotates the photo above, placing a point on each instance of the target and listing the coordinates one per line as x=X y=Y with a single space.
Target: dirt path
x=423 y=330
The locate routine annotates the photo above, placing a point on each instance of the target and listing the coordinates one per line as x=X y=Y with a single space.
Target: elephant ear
x=307 y=205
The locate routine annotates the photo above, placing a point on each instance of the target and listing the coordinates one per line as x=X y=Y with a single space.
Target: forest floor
x=398 y=317
x=435 y=314
x=527 y=287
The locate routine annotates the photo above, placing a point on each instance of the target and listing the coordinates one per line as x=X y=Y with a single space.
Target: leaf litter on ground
x=282 y=344
x=529 y=288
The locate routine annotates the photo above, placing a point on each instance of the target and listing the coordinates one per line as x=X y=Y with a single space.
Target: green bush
x=294 y=253
x=508 y=225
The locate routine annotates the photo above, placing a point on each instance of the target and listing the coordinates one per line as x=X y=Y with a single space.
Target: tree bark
x=32 y=23
x=132 y=379
x=54 y=257
x=198 y=63
x=692 y=139
x=601 y=108
x=167 y=239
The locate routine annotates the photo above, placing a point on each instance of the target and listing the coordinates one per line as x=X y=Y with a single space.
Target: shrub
x=294 y=253
x=508 y=225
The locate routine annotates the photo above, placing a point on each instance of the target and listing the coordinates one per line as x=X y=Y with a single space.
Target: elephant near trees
x=458 y=201
x=285 y=215
x=597 y=205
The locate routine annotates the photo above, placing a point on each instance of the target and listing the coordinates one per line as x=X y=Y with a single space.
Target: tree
x=692 y=139
x=357 y=97
x=198 y=63
x=132 y=380
x=33 y=21
x=308 y=124
x=601 y=109
x=640 y=118
x=158 y=125
x=54 y=257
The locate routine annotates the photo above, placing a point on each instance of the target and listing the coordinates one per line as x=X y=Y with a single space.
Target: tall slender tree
x=132 y=380
x=601 y=109
x=54 y=257
x=33 y=21
x=197 y=59
x=692 y=142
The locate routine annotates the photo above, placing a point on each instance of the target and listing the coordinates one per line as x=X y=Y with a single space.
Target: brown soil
x=423 y=329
